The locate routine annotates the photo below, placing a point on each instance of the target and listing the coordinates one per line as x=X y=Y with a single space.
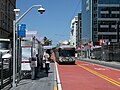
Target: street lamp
x=17 y=11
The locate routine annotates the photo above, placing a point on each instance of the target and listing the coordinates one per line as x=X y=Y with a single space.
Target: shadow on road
x=42 y=74
x=67 y=63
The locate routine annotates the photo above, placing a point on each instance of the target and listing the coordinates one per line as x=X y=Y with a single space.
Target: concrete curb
x=111 y=64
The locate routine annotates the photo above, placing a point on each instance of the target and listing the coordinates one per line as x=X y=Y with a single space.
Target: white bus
x=65 y=54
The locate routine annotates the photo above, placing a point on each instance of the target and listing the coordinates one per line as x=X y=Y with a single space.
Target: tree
x=47 y=41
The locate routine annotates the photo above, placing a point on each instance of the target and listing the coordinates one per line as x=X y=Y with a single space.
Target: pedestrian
x=46 y=59
x=46 y=56
x=47 y=62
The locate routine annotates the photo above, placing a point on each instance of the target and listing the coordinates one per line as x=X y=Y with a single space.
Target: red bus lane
x=87 y=76
x=108 y=72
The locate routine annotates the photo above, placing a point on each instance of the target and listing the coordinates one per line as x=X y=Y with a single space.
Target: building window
x=72 y=32
x=95 y=1
x=100 y=37
x=95 y=29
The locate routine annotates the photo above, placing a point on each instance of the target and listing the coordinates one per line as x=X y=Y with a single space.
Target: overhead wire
x=76 y=8
x=78 y=4
x=74 y=12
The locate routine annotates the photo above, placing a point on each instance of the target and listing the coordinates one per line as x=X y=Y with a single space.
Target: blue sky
x=55 y=22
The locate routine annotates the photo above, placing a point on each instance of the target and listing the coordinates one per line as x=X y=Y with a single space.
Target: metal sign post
x=22 y=30
x=15 y=39
x=21 y=34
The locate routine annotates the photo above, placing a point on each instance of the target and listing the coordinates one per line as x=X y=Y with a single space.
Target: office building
x=79 y=31
x=73 y=34
x=6 y=17
x=100 y=20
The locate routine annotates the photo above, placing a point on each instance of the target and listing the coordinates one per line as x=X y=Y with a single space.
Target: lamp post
x=17 y=11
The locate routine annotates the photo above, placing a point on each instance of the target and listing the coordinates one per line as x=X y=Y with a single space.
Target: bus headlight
x=70 y=59
x=60 y=59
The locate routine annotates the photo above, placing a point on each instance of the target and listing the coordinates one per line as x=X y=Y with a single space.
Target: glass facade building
x=78 y=31
x=100 y=20
x=86 y=19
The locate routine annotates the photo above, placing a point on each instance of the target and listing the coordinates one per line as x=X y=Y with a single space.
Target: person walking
x=46 y=59
x=46 y=56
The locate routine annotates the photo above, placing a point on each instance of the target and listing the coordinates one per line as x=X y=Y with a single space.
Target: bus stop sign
x=22 y=30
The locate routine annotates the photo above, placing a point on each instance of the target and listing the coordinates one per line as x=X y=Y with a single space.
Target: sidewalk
x=43 y=82
x=112 y=64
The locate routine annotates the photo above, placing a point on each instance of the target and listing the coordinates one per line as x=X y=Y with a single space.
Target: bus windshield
x=67 y=53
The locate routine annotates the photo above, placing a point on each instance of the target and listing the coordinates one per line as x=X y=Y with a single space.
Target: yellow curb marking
x=55 y=88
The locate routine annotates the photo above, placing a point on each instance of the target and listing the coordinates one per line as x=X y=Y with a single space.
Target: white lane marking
x=101 y=68
x=55 y=82
x=119 y=79
x=58 y=78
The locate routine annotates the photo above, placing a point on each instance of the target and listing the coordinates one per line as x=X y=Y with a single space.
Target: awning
x=47 y=47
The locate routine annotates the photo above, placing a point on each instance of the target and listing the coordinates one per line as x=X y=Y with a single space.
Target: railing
x=5 y=72
x=108 y=52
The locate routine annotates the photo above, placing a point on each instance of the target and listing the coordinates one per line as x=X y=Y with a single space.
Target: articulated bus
x=65 y=54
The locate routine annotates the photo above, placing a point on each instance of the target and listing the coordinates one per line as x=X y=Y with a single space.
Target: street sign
x=22 y=30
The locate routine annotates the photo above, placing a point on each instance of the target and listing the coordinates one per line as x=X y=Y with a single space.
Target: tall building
x=100 y=20
x=6 y=17
x=79 y=31
x=73 y=26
